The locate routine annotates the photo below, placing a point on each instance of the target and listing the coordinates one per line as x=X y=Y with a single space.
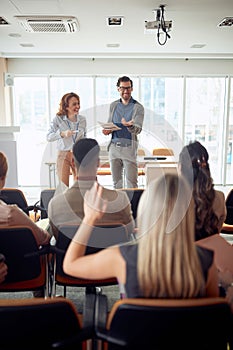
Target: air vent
x=226 y=22
x=49 y=24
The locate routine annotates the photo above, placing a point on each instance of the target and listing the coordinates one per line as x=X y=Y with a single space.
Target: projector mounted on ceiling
x=161 y=26
x=152 y=26
x=49 y=24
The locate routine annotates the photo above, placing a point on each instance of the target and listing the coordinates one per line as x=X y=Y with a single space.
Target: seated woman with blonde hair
x=164 y=261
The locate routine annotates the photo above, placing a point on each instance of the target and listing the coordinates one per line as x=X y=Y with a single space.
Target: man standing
x=128 y=115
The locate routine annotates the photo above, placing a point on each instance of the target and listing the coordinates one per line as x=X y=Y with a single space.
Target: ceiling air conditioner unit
x=49 y=24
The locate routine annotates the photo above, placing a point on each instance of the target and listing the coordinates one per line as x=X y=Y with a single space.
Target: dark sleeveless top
x=130 y=255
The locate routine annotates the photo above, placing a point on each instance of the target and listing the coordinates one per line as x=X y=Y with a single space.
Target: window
x=229 y=156
x=169 y=121
x=204 y=118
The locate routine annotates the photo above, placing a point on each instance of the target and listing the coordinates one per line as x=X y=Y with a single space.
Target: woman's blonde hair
x=3 y=165
x=168 y=263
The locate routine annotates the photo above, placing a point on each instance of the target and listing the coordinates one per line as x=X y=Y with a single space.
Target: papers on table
x=109 y=126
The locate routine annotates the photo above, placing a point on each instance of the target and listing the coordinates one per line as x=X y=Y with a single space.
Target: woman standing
x=66 y=128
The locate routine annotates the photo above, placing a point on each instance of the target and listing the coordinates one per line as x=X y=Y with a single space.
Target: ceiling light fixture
x=197 y=46
x=14 y=35
x=26 y=45
x=162 y=26
x=115 y=21
x=113 y=45
x=3 y=21
x=226 y=22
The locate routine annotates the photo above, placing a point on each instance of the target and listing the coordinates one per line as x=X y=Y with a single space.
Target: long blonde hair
x=168 y=263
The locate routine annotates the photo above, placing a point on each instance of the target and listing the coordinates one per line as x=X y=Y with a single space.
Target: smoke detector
x=49 y=24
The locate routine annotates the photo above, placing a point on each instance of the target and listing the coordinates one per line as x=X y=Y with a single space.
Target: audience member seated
x=67 y=207
x=210 y=211
x=209 y=203
x=164 y=261
x=12 y=215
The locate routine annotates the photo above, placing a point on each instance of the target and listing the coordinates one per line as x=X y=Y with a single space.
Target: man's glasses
x=123 y=88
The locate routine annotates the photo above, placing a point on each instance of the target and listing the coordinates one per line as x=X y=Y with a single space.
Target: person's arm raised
x=94 y=208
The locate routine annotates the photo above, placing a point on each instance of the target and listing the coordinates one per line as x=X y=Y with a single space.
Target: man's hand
x=125 y=123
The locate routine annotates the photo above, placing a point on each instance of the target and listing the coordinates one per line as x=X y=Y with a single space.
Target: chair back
x=45 y=197
x=102 y=237
x=162 y=152
x=14 y=196
x=27 y=265
x=39 y=323
x=141 y=152
x=134 y=195
x=163 y=324
x=229 y=207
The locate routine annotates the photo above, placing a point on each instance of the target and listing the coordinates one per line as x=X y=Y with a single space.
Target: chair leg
x=93 y=290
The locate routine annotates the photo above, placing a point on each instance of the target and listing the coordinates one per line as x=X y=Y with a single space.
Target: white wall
x=120 y=66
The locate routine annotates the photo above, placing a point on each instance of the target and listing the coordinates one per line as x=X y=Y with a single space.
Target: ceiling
x=194 y=23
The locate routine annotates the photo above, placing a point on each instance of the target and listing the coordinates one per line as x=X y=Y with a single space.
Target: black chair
x=45 y=197
x=16 y=196
x=164 y=324
x=134 y=195
x=27 y=264
x=102 y=237
x=229 y=207
x=41 y=324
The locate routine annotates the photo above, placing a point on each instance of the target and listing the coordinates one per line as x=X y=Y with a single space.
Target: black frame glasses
x=127 y=88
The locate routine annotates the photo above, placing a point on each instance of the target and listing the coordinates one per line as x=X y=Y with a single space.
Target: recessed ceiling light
x=226 y=22
x=26 y=45
x=14 y=35
x=115 y=21
x=198 y=46
x=3 y=21
x=113 y=45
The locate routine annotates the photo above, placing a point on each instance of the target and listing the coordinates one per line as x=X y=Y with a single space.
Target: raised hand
x=94 y=205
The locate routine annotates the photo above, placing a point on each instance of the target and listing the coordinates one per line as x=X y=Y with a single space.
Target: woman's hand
x=67 y=133
x=229 y=297
x=94 y=205
x=225 y=278
x=106 y=131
